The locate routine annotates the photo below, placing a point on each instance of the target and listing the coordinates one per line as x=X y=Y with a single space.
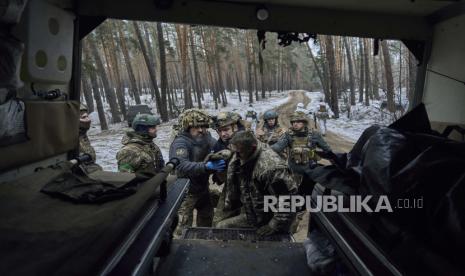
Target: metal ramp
x=229 y=234
x=210 y=257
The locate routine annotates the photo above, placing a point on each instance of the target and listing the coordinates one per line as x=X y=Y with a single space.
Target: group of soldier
x=249 y=165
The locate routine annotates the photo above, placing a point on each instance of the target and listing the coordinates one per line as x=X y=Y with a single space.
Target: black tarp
x=408 y=160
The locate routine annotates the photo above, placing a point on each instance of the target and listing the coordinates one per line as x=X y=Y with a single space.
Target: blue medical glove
x=216 y=165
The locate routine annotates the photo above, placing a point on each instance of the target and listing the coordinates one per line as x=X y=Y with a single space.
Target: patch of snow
x=361 y=116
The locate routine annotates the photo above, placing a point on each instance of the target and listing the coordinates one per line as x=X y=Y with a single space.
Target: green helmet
x=145 y=120
x=270 y=114
x=299 y=116
x=226 y=118
x=194 y=118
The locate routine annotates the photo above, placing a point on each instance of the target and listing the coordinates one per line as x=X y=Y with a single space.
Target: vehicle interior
x=41 y=69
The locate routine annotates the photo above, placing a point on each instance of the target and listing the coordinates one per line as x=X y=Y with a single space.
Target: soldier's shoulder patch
x=181 y=152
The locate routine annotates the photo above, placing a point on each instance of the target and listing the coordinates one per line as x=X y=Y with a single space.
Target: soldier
x=227 y=123
x=191 y=146
x=270 y=131
x=251 y=117
x=301 y=142
x=139 y=153
x=254 y=172
x=322 y=115
x=84 y=144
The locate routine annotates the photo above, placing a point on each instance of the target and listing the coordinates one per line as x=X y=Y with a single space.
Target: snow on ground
x=108 y=142
x=361 y=117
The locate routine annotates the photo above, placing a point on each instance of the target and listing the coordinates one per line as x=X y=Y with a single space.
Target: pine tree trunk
x=376 y=78
x=110 y=45
x=163 y=76
x=362 y=71
x=324 y=65
x=133 y=90
x=368 y=91
x=198 y=86
x=238 y=86
x=110 y=93
x=351 y=72
x=254 y=63
x=262 y=69
x=98 y=102
x=150 y=62
x=333 y=76
x=389 y=78
x=94 y=86
x=87 y=91
x=249 y=68
x=182 y=43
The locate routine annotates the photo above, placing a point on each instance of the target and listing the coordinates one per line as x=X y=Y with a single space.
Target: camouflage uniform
x=322 y=115
x=264 y=173
x=301 y=147
x=270 y=135
x=191 y=154
x=224 y=119
x=85 y=147
x=251 y=119
x=84 y=144
x=139 y=154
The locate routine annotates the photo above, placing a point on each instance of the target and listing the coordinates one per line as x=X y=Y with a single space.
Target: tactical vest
x=271 y=136
x=302 y=152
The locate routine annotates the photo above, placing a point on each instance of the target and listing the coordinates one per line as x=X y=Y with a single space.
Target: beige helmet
x=226 y=118
x=83 y=108
x=194 y=118
x=299 y=116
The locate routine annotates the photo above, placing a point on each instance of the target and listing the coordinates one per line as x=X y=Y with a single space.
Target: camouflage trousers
x=220 y=213
x=239 y=221
x=297 y=221
x=200 y=202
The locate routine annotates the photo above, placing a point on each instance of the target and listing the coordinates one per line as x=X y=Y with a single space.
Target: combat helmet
x=83 y=108
x=226 y=118
x=300 y=105
x=145 y=120
x=270 y=114
x=299 y=116
x=194 y=118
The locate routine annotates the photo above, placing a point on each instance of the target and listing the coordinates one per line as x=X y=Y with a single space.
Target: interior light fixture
x=262 y=14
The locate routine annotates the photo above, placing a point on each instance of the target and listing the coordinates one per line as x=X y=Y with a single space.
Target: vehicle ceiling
x=395 y=19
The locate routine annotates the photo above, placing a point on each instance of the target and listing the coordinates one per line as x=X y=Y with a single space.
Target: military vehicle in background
x=40 y=61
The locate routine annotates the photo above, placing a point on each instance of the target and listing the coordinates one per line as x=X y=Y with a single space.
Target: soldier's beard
x=200 y=137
